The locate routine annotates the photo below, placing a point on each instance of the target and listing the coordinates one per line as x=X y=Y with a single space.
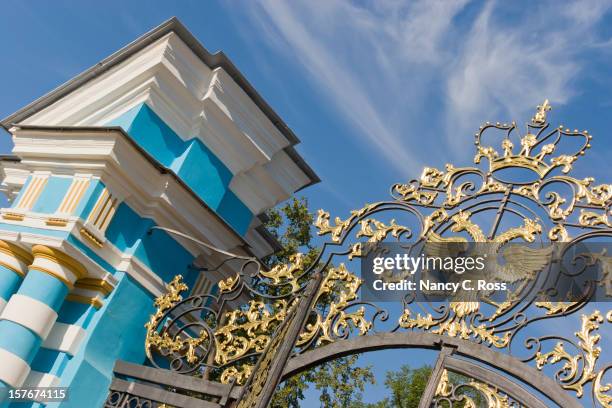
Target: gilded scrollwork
x=287 y=273
x=322 y=223
x=554 y=308
x=336 y=321
x=454 y=324
x=579 y=369
x=247 y=330
x=163 y=341
x=469 y=393
x=447 y=206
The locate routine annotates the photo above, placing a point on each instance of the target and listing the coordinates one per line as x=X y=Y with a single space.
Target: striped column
x=30 y=314
x=14 y=263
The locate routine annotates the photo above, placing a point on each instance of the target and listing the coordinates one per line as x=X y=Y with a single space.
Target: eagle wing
x=522 y=262
x=437 y=246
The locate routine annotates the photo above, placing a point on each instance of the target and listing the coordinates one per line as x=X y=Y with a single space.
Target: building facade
x=161 y=133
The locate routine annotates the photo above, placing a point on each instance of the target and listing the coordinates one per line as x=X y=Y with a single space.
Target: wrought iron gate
x=233 y=348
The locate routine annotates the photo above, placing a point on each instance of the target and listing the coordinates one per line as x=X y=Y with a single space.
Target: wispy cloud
x=405 y=74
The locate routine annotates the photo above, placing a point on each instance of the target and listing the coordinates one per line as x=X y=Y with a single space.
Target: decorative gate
x=262 y=326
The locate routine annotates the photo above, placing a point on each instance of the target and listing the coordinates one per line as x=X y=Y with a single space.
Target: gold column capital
x=57 y=256
x=20 y=254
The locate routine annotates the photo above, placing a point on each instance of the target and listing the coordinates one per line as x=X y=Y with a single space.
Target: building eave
x=216 y=60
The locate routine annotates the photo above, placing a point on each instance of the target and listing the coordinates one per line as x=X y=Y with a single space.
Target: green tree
x=406 y=387
x=339 y=381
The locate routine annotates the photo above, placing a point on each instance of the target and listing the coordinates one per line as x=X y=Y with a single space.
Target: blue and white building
x=161 y=133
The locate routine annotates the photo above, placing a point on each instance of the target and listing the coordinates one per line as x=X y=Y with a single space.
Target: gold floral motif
x=577 y=375
x=336 y=320
x=454 y=325
x=563 y=160
x=558 y=233
x=529 y=190
x=554 y=308
x=236 y=374
x=248 y=330
x=411 y=192
x=494 y=399
x=555 y=210
x=444 y=388
x=601 y=392
x=432 y=177
x=323 y=225
x=436 y=217
x=596 y=195
x=376 y=230
x=165 y=343
x=251 y=396
x=591 y=219
x=492 y=186
x=285 y=273
x=229 y=284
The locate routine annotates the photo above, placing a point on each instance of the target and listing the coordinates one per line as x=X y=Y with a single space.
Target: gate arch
x=264 y=325
x=510 y=365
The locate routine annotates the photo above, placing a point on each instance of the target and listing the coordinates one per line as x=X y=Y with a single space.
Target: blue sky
x=375 y=90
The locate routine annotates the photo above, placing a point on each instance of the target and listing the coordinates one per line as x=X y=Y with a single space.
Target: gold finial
x=540 y=117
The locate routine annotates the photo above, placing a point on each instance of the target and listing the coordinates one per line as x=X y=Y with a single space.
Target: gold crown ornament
x=536 y=149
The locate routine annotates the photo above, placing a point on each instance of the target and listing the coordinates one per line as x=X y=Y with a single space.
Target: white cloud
x=397 y=70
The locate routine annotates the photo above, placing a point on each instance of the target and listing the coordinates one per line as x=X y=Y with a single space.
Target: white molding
x=65 y=337
x=125 y=171
x=39 y=379
x=13 y=370
x=30 y=313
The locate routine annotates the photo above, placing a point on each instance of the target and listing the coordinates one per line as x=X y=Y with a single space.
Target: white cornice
x=195 y=102
x=108 y=155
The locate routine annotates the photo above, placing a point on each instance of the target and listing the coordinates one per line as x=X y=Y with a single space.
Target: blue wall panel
x=191 y=160
x=52 y=194
x=160 y=252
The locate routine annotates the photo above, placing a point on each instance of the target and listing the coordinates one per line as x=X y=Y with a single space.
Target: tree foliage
x=406 y=387
x=340 y=381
